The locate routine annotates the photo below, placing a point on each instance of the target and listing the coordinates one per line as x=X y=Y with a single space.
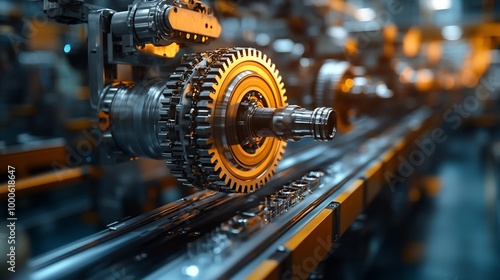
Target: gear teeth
x=217 y=81
x=217 y=168
x=267 y=60
x=205 y=162
x=280 y=82
x=213 y=76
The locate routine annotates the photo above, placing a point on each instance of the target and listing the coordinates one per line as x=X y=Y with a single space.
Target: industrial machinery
x=220 y=120
x=201 y=90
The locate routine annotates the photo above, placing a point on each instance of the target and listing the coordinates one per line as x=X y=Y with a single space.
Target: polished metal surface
x=129 y=118
x=160 y=23
x=292 y=122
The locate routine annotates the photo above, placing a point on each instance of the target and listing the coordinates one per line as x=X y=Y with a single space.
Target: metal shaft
x=293 y=122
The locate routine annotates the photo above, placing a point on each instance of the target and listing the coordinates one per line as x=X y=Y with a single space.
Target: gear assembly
x=221 y=120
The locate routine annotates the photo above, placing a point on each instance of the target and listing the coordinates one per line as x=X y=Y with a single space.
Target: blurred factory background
x=435 y=216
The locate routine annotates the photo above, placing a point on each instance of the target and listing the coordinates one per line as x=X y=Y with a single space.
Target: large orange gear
x=247 y=76
x=211 y=87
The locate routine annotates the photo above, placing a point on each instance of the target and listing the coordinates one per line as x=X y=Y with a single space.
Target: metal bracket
x=98 y=73
x=335 y=207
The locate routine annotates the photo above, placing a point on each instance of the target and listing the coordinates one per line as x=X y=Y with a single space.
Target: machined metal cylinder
x=134 y=114
x=145 y=20
x=293 y=122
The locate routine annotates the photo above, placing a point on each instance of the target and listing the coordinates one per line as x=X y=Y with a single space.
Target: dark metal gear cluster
x=201 y=121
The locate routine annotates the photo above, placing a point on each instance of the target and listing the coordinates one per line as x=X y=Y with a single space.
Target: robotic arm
x=122 y=37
